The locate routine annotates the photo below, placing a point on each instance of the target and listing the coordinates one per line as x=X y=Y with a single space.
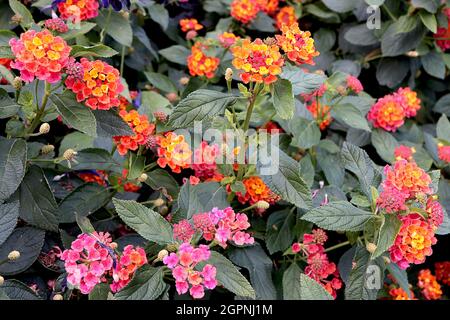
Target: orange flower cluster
x=97 y=176
x=245 y=10
x=200 y=64
x=400 y=294
x=269 y=6
x=142 y=130
x=413 y=242
x=442 y=270
x=78 y=10
x=100 y=86
x=173 y=151
x=285 y=17
x=257 y=190
x=228 y=39
x=190 y=24
x=321 y=113
x=431 y=289
x=389 y=112
x=298 y=45
x=260 y=61
x=40 y=55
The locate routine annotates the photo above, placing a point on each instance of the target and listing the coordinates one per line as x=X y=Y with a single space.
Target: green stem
x=41 y=110
x=339 y=245
x=102 y=33
x=388 y=11
x=122 y=60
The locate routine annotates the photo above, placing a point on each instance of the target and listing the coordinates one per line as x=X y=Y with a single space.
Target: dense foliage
x=220 y=149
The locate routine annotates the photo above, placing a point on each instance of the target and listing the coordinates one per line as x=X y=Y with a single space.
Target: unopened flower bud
x=151 y=142
x=160 y=116
x=113 y=245
x=191 y=34
x=17 y=83
x=16 y=19
x=321 y=72
x=412 y=54
x=262 y=205
x=386 y=260
x=58 y=297
x=341 y=90
x=172 y=247
x=44 y=128
x=2 y=280
x=13 y=255
x=125 y=14
x=69 y=154
x=47 y=149
x=184 y=81
x=172 y=97
x=229 y=74
x=164 y=210
x=143 y=177
x=158 y=202
x=371 y=247
x=162 y=254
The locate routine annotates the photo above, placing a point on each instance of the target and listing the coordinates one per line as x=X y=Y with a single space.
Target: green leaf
x=394 y=43
x=280 y=230
x=5 y=36
x=98 y=50
x=262 y=23
x=147 y=284
x=306 y=133
x=94 y=159
x=136 y=166
x=9 y=213
x=361 y=35
x=291 y=283
x=161 y=82
x=283 y=99
x=357 y=161
x=388 y=233
x=312 y=290
x=287 y=181
x=400 y=276
x=83 y=28
x=366 y=277
x=110 y=124
x=177 y=54
x=7 y=75
x=16 y=290
x=159 y=14
x=351 y=116
x=8 y=107
x=84 y=200
x=12 y=165
x=260 y=266
x=201 y=198
x=84 y=224
x=302 y=82
x=19 y=9
x=75 y=114
x=443 y=105
x=148 y=223
x=5 y=52
x=338 y=216
x=37 y=203
x=160 y=179
x=392 y=71
x=229 y=276
x=405 y=24
x=116 y=26
x=429 y=20
x=198 y=106
x=341 y=6
x=100 y=292
x=429 y=5
x=385 y=144
x=434 y=64
x=28 y=241
x=443 y=128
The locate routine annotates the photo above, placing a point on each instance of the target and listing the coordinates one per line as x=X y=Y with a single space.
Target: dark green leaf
x=279 y=233
x=147 y=284
x=177 y=54
x=351 y=116
x=302 y=82
x=116 y=26
x=16 y=290
x=9 y=213
x=159 y=14
x=283 y=99
x=160 y=179
x=385 y=143
x=161 y=82
x=19 y=9
x=388 y=233
x=8 y=107
x=434 y=64
x=109 y=124
x=94 y=159
x=98 y=50
x=13 y=158
x=306 y=133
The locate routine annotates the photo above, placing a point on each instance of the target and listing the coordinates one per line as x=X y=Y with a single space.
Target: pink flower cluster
x=187 y=277
x=444 y=152
x=404 y=152
x=91 y=260
x=204 y=162
x=56 y=24
x=88 y=261
x=354 y=84
x=218 y=225
x=319 y=267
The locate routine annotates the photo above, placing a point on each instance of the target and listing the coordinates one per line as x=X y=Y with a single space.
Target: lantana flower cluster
x=442 y=36
x=444 y=152
x=91 y=260
x=173 y=151
x=100 y=86
x=318 y=266
x=298 y=45
x=430 y=288
x=219 y=225
x=78 y=10
x=40 y=54
x=199 y=63
x=256 y=190
x=205 y=162
x=188 y=276
x=390 y=111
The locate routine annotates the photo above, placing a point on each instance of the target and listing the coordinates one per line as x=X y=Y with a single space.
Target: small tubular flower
x=260 y=62
x=228 y=39
x=40 y=55
x=100 y=86
x=257 y=190
x=7 y=64
x=298 y=45
x=190 y=24
x=141 y=127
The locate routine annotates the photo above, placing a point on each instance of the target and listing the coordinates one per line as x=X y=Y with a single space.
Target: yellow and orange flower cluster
x=400 y=294
x=174 y=152
x=430 y=288
x=141 y=127
x=298 y=45
x=190 y=25
x=78 y=10
x=410 y=103
x=40 y=55
x=100 y=86
x=257 y=190
x=321 y=113
x=245 y=10
x=200 y=64
x=259 y=61
x=228 y=39
x=285 y=17
x=269 y=6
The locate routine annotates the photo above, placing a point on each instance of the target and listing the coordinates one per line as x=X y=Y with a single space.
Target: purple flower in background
x=116 y=4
